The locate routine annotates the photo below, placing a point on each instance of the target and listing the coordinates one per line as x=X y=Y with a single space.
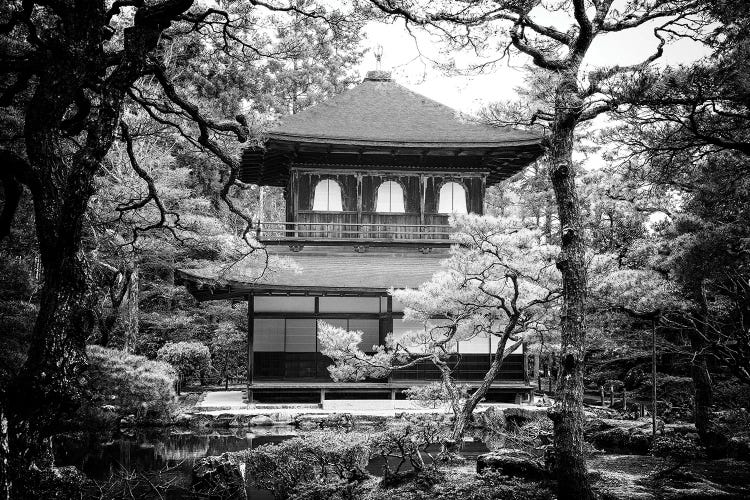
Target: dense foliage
x=188 y=358
x=318 y=464
x=122 y=384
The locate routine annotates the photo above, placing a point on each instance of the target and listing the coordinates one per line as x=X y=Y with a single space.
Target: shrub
x=678 y=447
x=490 y=485
x=333 y=490
x=188 y=358
x=317 y=463
x=408 y=445
x=730 y=394
x=433 y=395
x=130 y=385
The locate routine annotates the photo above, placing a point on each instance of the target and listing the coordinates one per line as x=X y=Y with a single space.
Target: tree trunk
x=56 y=359
x=66 y=137
x=567 y=414
x=463 y=416
x=130 y=319
x=703 y=396
x=5 y=479
x=702 y=381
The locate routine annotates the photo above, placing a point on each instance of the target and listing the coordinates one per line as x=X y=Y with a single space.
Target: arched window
x=390 y=197
x=327 y=196
x=452 y=199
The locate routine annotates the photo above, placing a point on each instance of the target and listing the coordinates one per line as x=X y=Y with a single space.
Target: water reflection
x=101 y=457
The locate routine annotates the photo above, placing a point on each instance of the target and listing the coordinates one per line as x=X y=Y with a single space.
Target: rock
x=491 y=418
x=739 y=448
x=221 y=477
x=519 y=415
x=600 y=412
x=516 y=463
x=619 y=436
x=226 y=420
x=310 y=421
x=261 y=420
x=128 y=421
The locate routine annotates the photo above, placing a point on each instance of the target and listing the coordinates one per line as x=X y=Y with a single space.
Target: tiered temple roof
x=360 y=274
x=384 y=124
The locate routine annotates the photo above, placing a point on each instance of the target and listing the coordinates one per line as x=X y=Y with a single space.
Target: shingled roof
x=317 y=273
x=384 y=124
x=379 y=111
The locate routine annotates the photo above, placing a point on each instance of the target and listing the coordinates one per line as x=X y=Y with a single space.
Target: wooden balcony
x=298 y=234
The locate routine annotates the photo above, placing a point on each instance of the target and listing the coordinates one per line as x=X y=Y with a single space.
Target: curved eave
x=270 y=166
x=338 y=142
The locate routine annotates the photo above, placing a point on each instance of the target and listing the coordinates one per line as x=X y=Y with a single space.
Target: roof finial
x=378 y=75
x=378 y=56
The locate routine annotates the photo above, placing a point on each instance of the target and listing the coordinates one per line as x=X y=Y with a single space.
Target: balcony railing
x=332 y=233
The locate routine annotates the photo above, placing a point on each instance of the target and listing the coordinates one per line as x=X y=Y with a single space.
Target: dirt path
x=639 y=477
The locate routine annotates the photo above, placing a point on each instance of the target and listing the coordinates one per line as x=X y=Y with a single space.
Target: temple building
x=370 y=179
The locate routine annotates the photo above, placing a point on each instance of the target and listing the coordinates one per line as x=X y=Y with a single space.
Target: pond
x=174 y=452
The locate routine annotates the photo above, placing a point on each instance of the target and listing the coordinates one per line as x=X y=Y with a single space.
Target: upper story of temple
x=379 y=165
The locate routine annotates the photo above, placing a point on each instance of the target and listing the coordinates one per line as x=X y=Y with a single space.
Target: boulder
x=491 y=418
x=221 y=477
x=226 y=420
x=310 y=421
x=515 y=463
x=620 y=436
x=261 y=420
x=520 y=415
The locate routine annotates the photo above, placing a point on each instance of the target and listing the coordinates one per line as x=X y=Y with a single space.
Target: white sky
x=468 y=93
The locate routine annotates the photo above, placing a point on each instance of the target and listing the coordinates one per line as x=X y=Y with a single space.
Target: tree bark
x=131 y=320
x=463 y=413
x=703 y=392
x=567 y=414
x=66 y=137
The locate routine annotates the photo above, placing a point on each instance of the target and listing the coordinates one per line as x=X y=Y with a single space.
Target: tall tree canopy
x=79 y=75
x=579 y=94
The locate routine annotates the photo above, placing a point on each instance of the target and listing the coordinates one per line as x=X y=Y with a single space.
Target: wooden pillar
x=387 y=327
x=422 y=195
x=359 y=201
x=250 y=347
x=322 y=397
x=483 y=194
x=525 y=364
